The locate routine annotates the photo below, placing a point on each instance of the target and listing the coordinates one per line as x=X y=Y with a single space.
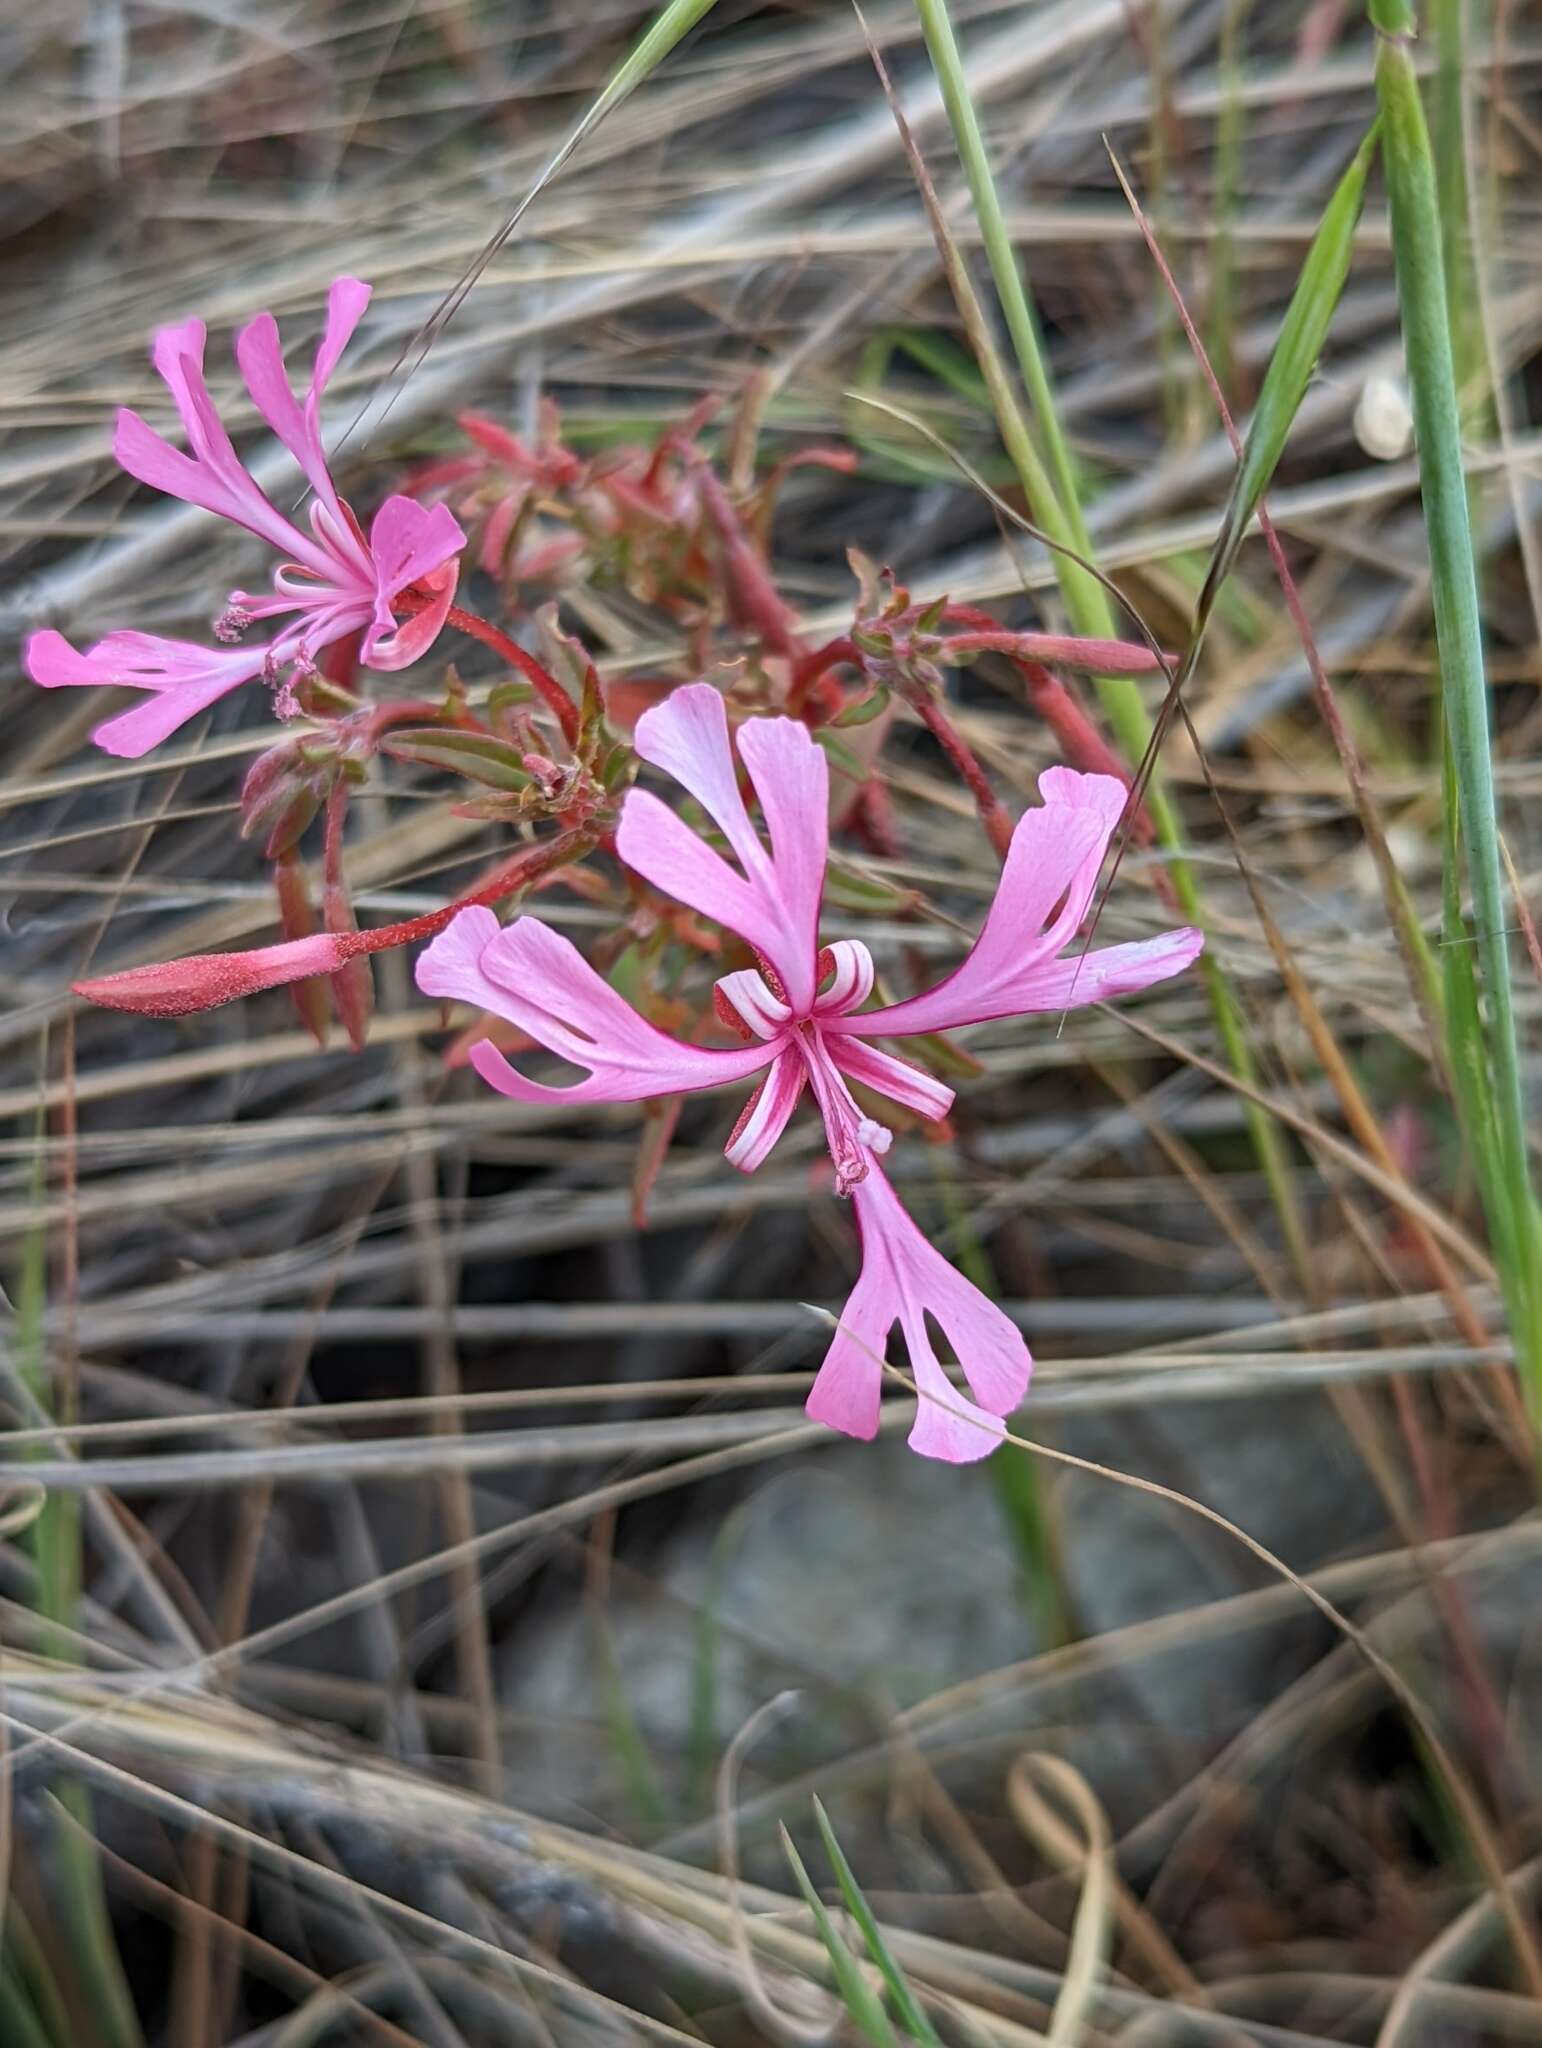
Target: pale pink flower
x=804 y=1016
x=333 y=580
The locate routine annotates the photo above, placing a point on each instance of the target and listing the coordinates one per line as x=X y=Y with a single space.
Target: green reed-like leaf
x=1050 y=487
x=1417 y=242
x=56 y=1548
x=1295 y=354
x=912 y=2015
x=856 y=1994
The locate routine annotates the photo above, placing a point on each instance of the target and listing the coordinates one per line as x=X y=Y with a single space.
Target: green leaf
x=856 y=1994
x=477 y=756
x=1471 y=801
x=864 y=710
x=912 y=2015
x=1290 y=369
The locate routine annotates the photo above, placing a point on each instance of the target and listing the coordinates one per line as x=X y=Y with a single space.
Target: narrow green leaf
x=1422 y=301
x=477 y=756
x=863 y=710
x=1290 y=369
x=912 y=2014
x=856 y=1994
x=77 y=1891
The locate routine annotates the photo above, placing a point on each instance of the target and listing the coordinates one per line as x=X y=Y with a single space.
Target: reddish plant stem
x=1078 y=734
x=753 y=597
x=998 y=826
x=546 y=686
x=813 y=668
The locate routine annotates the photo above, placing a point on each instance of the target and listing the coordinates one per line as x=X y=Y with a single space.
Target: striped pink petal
x=532 y=976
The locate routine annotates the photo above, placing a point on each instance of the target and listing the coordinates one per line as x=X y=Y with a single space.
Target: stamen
x=849 y=1134
x=727 y=1015
x=231 y=623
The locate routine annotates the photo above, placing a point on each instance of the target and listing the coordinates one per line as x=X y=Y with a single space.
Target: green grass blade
x=1417 y=251
x=1049 y=484
x=628 y=1743
x=1291 y=364
x=20 y=2026
x=856 y=1994
x=912 y=2016
x=1022 y=321
x=77 y=1888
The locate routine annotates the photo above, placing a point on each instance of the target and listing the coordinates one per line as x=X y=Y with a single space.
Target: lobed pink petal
x=536 y=979
x=410 y=543
x=1105 y=972
x=905 y=1279
x=766 y=1113
x=791 y=775
x=774 y=903
x=1046 y=886
x=261 y=357
x=948 y=1425
x=847 y=1393
x=687 y=737
x=899 y=1079
x=182 y=677
x=663 y=849
x=212 y=477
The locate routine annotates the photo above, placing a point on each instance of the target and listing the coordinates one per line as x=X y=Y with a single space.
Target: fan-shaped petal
x=537 y=979
x=182 y=677
x=905 y=1279
x=1046 y=886
x=774 y=902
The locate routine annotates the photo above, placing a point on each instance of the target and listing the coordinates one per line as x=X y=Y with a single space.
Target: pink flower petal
x=1046 y=886
x=183 y=678
x=410 y=543
x=848 y=1388
x=851 y=978
x=904 y=1278
x=177 y=353
x=792 y=783
x=775 y=904
x=752 y=1002
x=896 y=1078
x=687 y=736
x=535 y=978
x=663 y=849
x=1105 y=972
x=212 y=477
x=261 y=357
x=766 y=1113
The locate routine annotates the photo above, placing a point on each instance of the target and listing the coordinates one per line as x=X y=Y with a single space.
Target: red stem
x=551 y=692
x=998 y=826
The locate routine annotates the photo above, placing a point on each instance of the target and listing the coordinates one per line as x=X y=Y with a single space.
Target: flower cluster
x=676 y=532
x=803 y=1017
x=334 y=580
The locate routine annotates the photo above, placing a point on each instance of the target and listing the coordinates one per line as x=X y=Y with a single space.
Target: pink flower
x=332 y=582
x=804 y=1018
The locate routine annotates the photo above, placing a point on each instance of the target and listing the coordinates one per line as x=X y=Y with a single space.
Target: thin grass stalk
x=1049 y=483
x=1500 y=1150
x=78 y=1894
